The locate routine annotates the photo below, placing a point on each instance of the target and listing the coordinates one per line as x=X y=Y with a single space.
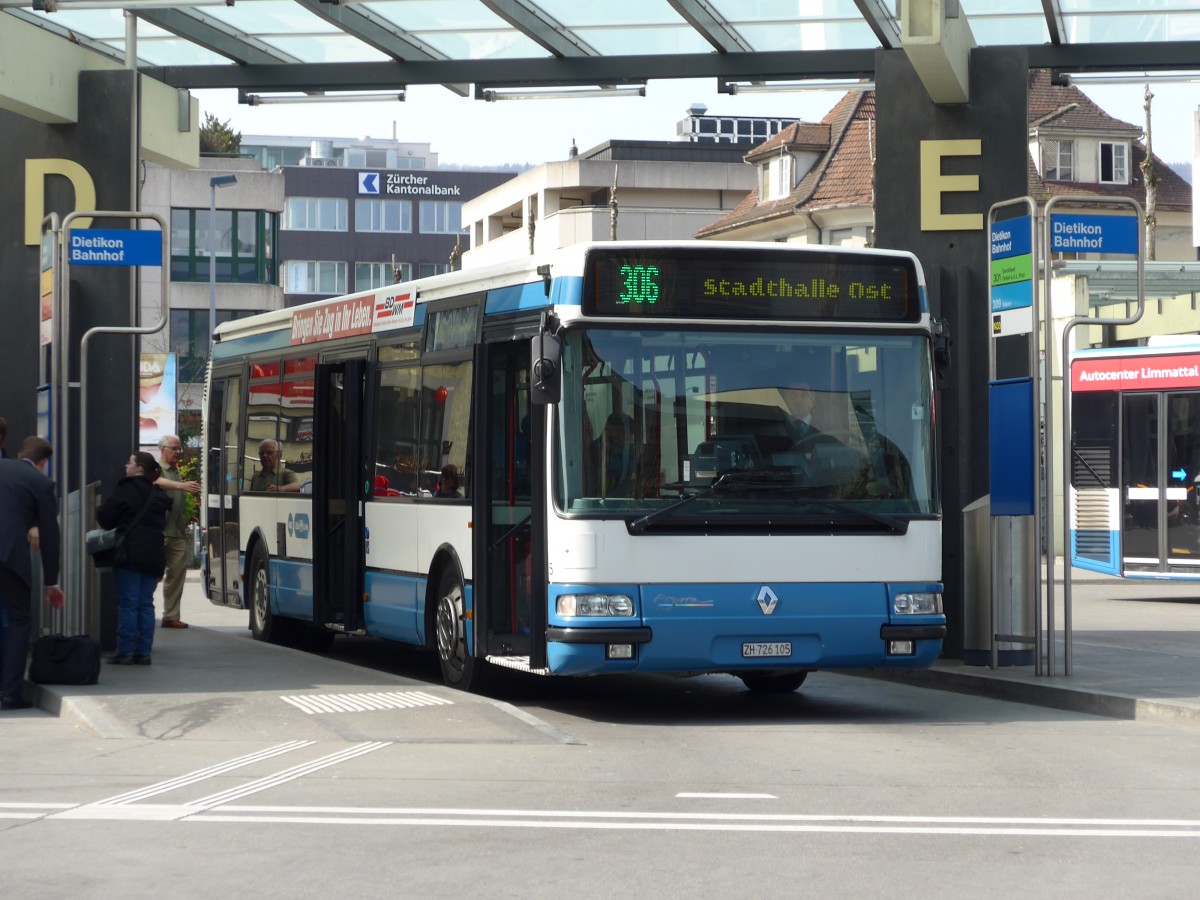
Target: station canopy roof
x=312 y=46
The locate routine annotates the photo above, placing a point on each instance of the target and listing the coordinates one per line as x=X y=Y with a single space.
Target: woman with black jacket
x=145 y=557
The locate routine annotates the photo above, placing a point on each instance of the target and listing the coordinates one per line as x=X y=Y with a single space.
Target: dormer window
x=1114 y=162
x=1058 y=160
x=778 y=177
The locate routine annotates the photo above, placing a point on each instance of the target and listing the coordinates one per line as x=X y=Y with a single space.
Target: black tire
x=263 y=624
x=459 y=669
x=772 y=682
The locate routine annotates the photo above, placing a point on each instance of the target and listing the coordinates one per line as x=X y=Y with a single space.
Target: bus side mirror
x=941 y=344
x=545 y=381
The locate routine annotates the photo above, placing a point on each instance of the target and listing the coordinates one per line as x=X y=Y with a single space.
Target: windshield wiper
x=745 y=478
x=892 y=523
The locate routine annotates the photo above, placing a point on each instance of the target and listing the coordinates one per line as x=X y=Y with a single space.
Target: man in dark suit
x=26 y=502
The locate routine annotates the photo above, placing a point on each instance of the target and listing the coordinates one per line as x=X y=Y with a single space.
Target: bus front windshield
x=707 y=426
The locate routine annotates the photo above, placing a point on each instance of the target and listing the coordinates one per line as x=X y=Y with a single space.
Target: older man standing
x=170 y=451
x=26 y=501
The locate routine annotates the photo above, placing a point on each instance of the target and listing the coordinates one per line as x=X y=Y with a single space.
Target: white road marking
x=36 y=805
x=984 y=826
x=287 y=775
x=163 y=787
x=597 y=823
x=31 y=810
x=731 y=817
x=716 y=796
x=331 y=703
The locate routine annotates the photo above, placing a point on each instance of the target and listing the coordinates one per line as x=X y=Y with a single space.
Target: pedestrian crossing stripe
x=316 y=704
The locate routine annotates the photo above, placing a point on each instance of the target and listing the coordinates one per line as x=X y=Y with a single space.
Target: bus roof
x=525 y=270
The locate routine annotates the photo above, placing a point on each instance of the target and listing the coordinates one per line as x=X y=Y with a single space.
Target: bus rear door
x=341 y=485
x=222 y=467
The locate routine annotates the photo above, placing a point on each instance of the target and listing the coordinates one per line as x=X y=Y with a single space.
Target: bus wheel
x=263 y=624
x=459 y=668
x=772 y=682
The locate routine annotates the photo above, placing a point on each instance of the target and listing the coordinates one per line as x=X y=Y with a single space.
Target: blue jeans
x=135 y=611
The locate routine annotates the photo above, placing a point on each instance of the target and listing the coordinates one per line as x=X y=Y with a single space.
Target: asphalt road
x=606 y=787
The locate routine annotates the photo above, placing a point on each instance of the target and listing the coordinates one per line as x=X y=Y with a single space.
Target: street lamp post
x=217 y=181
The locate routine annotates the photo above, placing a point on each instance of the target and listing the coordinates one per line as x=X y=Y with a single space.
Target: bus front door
x=221 y=491
x=509 y=561
x=341 y=480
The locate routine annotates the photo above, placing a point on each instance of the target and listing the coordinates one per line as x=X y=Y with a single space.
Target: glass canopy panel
x=616 y=13
x=439 y=15
x=839 y=35
x=975 y=9
x=1089 y=29
x=510 y=44
x=651 y=40
x=739 y=12
x=170 y=51
x=997 y=30
x=320 y=48
x=1138 y=7
x=271 y=17
x=106 y=25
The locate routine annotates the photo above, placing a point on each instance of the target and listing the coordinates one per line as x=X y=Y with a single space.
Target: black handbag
x=65 y=660
x=106 y=546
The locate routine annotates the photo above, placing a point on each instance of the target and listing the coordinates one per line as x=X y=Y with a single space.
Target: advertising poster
x=156 y=400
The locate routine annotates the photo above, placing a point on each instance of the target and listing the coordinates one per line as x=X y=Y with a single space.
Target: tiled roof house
x=1075 y=148
x=815 y=181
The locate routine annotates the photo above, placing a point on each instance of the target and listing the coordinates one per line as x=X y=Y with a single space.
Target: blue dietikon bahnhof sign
x=115 y=247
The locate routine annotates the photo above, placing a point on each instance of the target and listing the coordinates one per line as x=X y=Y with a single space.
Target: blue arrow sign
x=1180 y=474
x=368 y=182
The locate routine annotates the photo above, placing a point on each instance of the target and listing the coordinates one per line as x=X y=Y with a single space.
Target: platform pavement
x=1135 y=655
x=212 y=681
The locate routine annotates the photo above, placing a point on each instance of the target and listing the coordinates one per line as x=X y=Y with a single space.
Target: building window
x=441 y=217
x=777 y=177
x=382 y=215
x=369 y=276
x=1114 y=163
x=244 y=241
x=1058 y=160
x=307 y=277
x=315 y=214
x=190 y=338
x=427 y=269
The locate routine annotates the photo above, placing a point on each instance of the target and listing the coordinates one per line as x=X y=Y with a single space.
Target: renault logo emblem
x=767 y=600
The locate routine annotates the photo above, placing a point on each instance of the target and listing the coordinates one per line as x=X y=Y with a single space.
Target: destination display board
x=720 y=283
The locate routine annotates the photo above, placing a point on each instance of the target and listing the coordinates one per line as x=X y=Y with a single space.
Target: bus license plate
x=777 y=649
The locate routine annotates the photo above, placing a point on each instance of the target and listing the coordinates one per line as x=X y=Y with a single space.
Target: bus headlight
x=917 y=604
x=594 y=605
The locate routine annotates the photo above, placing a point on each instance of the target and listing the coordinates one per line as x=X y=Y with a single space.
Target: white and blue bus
x=623 y=457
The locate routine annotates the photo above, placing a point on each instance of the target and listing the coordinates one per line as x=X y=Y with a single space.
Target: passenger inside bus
x=615 y=456
x=448 y=483
x=274 y=476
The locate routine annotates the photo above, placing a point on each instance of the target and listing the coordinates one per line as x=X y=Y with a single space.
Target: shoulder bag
x=107 y=545
x=65 y=660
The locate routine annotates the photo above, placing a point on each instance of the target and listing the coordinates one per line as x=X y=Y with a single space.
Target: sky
x=469 y=132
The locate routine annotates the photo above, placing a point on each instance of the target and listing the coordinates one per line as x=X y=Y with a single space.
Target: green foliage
x=218 y=137
x=189 y=466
